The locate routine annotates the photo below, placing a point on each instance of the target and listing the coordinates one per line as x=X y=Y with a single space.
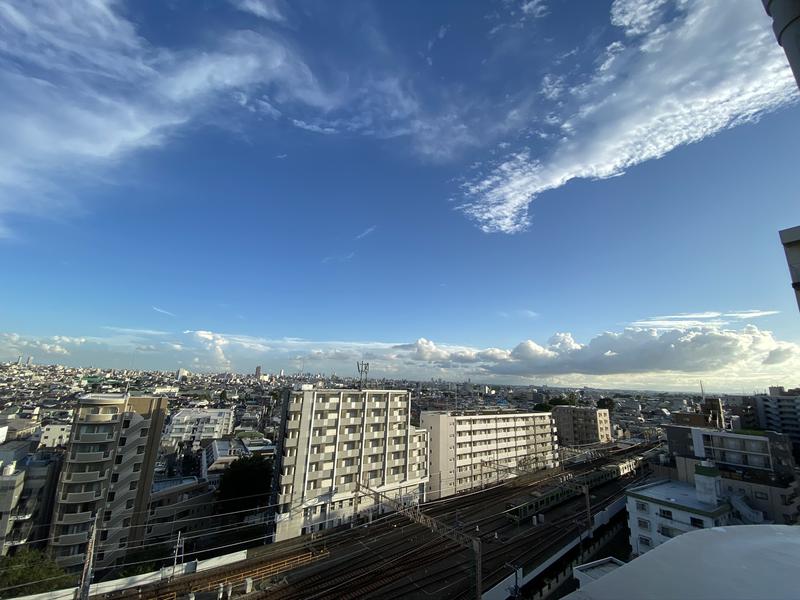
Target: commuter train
x=570 y=486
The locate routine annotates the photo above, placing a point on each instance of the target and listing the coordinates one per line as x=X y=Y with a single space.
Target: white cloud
x=712 y=319
x=714 y=65
x=162 y=311
x=366 y=232
x=635 y=357
x=313 y=127
x=266 y=9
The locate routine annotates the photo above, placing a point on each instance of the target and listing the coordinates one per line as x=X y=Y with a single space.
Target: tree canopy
x=246 y=483
x=31 y=572
x=606 y=403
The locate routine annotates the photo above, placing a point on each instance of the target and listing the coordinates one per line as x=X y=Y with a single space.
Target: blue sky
x=504 y=190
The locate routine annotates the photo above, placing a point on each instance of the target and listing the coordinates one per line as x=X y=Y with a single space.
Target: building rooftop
x=744 y=562
x=673 y=492
x=596 y=569
x=791 y=235
x=165 y=484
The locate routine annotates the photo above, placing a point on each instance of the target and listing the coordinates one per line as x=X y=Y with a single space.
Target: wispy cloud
x=271 y=10
x=525 y=313
x=366 y=232
x=705 y=319
x=340 y=258
x=674 y=77
x=281 y=156
x=162 y=311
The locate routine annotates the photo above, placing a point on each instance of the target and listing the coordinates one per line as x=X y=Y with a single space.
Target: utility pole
x=88 y=566
x=178 y=551
x=436 y=526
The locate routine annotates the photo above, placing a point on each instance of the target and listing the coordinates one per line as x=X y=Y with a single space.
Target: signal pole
x=88 y=566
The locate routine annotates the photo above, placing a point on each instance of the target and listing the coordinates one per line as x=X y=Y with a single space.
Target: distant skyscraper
x=19 y=360
x=791 y=245
x=258 y=372
x=29 y=361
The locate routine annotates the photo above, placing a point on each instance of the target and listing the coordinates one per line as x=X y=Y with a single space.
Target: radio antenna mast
x=363 y=374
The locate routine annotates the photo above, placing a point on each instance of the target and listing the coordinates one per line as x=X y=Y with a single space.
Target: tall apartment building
x=107 y=474
x=472 y=448
x=757 y=469
x=192 y=425
x=579 y=425
x=333 y=438
x=790 y=238
x=780 y=411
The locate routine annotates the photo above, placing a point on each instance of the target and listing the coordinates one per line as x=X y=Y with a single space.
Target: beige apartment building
x=107 y=473
x=579 y=425
x=333 y=439
x=470 y=449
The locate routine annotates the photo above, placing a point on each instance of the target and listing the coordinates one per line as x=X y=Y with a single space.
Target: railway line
x=392 y=557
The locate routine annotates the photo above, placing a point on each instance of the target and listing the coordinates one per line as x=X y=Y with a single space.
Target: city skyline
x=503 y=191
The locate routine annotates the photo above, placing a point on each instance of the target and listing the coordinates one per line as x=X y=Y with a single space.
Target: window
x=122 y=441
x=133 y=485
x=644 y=524
x=645 y=541
x=143 y=432
x=107 y=515
x=129 y=503
x=140 y=450
x=126 y=423
x=110 y=496
x=761 y=496
x=696 y=522
x=118 y=460
x=114 y=477
x=642 y=507
x=104 y=535
x=664 y=513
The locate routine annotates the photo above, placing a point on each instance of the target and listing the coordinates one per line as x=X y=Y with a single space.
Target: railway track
x=313 y=564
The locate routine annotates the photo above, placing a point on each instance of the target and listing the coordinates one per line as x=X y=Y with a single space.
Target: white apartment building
x=657 y=512
x=333 y=439
x=579 y=425
x=107 y=475
x=191 y=425
x=472 y=448
x=55 y=435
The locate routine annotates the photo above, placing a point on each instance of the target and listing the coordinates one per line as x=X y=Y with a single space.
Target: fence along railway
x=517 y=521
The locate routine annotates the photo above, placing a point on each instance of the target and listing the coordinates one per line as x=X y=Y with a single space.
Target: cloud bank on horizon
x=696 y=346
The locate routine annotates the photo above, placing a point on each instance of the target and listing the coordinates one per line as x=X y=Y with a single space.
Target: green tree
x=606 y=403
x=543 y=407
x=31 y=572
x=156 y=557
x=245 y=484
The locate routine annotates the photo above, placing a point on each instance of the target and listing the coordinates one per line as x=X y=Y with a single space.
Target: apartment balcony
x=321 y=457
x=374 y=435
x=290 y=442
x=331 y=423
x=85 y=477
x=93 y=438
x=349 y=453
x=324 y=439
x=397 y=462
x=322 y=474
x=74 y=518
x=79 y=497
x=351 y=470
x=91 y=419
x=345 y=421
x=68 y=562
x=71 y=539
x=89 y=457
x=350 y=437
